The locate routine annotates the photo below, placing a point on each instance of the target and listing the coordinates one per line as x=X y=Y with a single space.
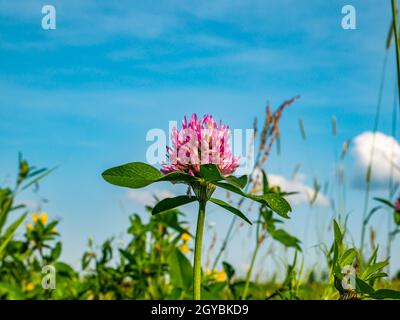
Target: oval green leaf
x=274 y=201
x=228 y=207
x=277 y=204
x=138 y=175
x=171 y=203
x=132 y=175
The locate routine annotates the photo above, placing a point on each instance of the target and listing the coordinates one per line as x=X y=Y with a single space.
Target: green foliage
x=6 y=238
x=286 y=239
x=172 y=203
x=228 y=207
x=22 y=259
x=181 y=271
x=154 y=263
x=210 y=173
x=138 y=175
x=354 y=278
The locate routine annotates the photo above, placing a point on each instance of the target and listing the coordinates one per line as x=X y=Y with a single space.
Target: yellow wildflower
x=186 y=237
x=29 y=226
x=184 y=247
x=43 y=218
x=29 y=286
x=35 y=217
x=220 y=276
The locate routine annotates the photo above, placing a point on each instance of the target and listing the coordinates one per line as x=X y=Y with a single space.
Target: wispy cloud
x=92 y=22
x=240 y=60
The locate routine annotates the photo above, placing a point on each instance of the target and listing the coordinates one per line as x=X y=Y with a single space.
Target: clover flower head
x=200 y=142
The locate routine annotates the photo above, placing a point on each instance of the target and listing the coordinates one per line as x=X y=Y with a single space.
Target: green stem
x=197 y=251
x=397 y=41
x=253 y=259
x=366 y=197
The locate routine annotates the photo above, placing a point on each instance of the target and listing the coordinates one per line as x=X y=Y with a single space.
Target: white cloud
x=296 y=184
x=386 y=158
x=148 y=197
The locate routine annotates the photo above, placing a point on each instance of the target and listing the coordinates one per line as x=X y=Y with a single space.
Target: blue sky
x=83 y=96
